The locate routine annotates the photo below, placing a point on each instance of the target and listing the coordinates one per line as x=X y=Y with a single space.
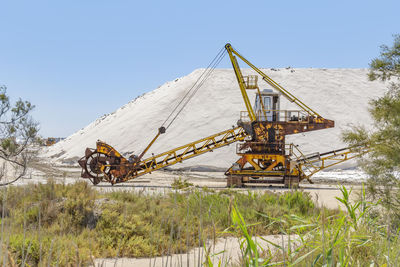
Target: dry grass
x=62 y=225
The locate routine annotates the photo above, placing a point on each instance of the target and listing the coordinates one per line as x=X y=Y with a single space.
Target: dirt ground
x=225 y=250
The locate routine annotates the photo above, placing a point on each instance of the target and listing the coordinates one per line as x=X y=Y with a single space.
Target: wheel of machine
x=93 y=164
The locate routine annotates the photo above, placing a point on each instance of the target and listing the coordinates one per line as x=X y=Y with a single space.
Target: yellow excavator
x=264 y=156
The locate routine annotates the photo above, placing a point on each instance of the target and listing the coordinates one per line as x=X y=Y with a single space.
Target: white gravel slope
x=338 y=94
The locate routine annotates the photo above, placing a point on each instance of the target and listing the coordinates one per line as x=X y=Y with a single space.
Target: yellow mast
x=266 y=78
x=241 y=82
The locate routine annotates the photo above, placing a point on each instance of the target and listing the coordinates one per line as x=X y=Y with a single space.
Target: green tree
x=387 y=65
x=382 y=164
x=18 y=132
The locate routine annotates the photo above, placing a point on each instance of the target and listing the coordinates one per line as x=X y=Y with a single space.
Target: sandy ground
x=225 y=251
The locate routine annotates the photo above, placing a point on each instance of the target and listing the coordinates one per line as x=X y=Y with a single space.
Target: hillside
x=338 y=94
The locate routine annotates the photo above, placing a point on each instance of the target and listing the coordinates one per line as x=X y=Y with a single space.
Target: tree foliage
x=18 y=131
x=387 y=65
x=383 y=162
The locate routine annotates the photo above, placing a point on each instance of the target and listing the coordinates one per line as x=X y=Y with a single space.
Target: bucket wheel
x=91 y=165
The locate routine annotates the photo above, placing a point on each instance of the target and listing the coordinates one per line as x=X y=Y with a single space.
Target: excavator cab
x=267 y=105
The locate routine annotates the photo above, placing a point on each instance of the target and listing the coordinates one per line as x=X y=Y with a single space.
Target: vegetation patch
x=49 y=223
x=57 y=224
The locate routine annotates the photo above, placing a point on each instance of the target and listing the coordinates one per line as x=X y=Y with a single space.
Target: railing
x=289 y=150
x=263 y=147
x=250 y=81
x=277 y=115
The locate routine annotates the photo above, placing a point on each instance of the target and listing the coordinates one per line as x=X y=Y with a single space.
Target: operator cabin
x=268 y=108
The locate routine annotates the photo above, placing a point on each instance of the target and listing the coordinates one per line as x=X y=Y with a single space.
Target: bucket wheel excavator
x=264 y=156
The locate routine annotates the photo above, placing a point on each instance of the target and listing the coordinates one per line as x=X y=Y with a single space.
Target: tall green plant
x=340 y=239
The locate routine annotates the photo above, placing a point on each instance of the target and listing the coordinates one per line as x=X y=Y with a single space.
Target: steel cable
x=195 y=87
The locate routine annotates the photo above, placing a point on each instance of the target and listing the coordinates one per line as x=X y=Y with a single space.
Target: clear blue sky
x=77 y=60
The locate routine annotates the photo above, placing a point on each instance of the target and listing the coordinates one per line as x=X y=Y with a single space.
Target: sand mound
x=338 y=94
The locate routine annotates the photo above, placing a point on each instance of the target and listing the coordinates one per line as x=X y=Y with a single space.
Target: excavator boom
x=105 y=164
